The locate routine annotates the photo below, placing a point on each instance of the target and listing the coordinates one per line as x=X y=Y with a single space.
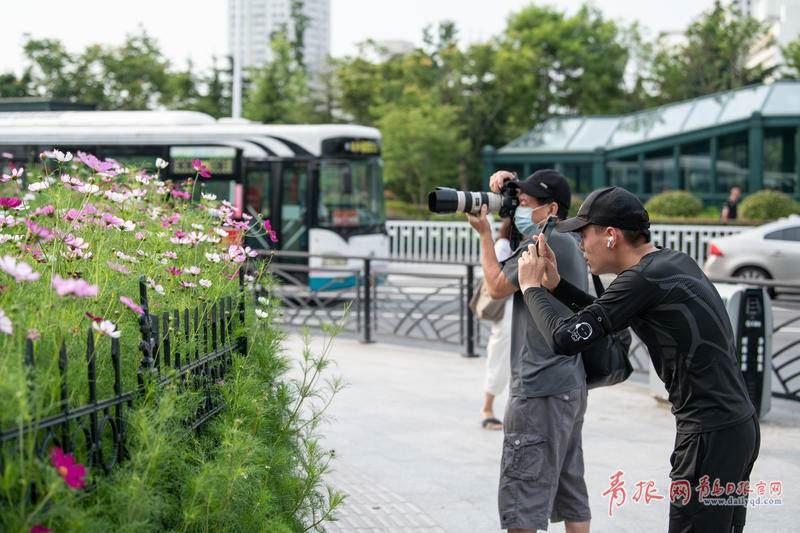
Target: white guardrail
x=456 y=241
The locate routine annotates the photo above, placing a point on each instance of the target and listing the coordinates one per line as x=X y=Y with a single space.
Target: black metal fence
x=405 y=301
x=194 y=346
x=411 y=306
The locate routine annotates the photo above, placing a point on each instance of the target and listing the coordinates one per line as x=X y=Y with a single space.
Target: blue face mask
x=523 y=220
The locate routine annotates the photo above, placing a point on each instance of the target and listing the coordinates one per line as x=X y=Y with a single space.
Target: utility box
x=750 y=313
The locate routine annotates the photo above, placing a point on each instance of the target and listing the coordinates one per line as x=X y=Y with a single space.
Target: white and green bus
x=320 y=185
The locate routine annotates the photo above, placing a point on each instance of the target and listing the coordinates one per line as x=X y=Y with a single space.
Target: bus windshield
x=351 y=192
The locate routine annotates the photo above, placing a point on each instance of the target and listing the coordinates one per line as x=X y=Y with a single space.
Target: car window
x=785 y=234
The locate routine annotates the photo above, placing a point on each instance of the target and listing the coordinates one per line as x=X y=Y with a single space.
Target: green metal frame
x=754 y=126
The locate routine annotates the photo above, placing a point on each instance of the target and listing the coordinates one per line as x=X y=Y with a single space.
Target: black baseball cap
x=611 y=206
x=548 y=184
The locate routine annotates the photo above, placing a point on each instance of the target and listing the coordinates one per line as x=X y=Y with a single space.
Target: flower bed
x=75 y=241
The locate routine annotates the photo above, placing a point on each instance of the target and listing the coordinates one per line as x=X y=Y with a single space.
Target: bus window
x=259 y=192
x=350 y=193
x=294 y=227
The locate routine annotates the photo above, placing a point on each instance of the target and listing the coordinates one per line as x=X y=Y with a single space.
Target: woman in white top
x=498 y=346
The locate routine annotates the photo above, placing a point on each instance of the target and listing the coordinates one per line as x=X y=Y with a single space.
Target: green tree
x=421 y=145
x=791 y=56
x=12 y=86
x=279 y=90
x=299 y=25
x=713 y=58
x=131 y=76
x=550 y=63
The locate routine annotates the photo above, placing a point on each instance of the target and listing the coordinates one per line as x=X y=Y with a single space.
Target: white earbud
x=610 y=242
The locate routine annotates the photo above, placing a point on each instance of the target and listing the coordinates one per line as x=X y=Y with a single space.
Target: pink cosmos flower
x=270 y=232
x=175 y=271
x=140 y=236
x=18 y=270
x=179 y=194
x=76 y=243
x=193 y=270
x=33 y=334
x=188 y=285
x=133 y=306
x=109 y=220
x=95 y=164
x=237 y=254
x=5 y=323
x=201 y=169
x=46 y=211
x=40 y=232
x=170 y=220
x=16 y=173
x=170 y=255
x=35 y=252
x=122 y=269
x=77 y=287
x=73 y=473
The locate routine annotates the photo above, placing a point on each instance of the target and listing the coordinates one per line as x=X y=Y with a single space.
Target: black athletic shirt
x=678 y=313
x=732 y=209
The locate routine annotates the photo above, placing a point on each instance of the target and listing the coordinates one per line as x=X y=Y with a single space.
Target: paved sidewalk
x=411 y=456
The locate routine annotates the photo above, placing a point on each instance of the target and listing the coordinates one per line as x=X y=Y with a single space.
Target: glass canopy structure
x=748 y=137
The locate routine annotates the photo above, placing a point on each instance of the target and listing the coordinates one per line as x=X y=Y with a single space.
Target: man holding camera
x=666 y=299
x=542 y=462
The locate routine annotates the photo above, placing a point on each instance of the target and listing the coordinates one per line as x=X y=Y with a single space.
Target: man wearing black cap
x=673 y=307
x=542 y=463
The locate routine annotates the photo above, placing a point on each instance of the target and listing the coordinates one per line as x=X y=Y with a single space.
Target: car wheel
x=755 y=273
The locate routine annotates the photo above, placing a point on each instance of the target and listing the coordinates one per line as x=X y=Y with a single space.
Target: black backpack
x=606 y=361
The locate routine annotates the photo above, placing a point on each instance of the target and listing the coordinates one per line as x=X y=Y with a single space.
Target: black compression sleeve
x=568 y=335
x=572 y=296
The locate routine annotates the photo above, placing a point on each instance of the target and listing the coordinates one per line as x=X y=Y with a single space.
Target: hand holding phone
x=546 y=231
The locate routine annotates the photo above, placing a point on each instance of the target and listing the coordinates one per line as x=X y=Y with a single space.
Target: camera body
x=447 y=200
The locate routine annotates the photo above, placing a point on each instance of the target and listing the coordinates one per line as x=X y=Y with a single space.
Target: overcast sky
x=197 y=28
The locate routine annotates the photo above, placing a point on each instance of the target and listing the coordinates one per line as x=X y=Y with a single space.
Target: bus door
x=259 y=200
x=295 y=201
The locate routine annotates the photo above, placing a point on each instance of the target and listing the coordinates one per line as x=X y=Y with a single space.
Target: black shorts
x=707 y=463
x=542 y=472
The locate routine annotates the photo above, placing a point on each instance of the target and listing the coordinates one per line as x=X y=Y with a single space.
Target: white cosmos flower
x=214 y=258
x=118 y=197
x=106 y=327
x=204 y=283
x=38 y=186
x=5 y=323
x=261 y=314
x=161 y=164
x=18 y=270
x=208 y=196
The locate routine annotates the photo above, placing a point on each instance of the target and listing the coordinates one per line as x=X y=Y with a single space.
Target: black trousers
x=726 y=455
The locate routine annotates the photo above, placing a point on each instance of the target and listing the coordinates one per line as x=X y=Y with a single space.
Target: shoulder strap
x=598 y=285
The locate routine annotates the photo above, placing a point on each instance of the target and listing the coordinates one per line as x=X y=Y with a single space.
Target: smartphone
x=548 y=227
x=546 y=231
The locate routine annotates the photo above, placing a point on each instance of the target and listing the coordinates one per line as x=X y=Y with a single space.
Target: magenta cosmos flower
x=73 y=473
x=39 y=528
x=10 y=202
x=201 y=169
